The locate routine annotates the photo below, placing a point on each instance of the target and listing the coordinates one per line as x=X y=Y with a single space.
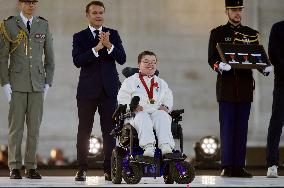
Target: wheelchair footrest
x=174 y=156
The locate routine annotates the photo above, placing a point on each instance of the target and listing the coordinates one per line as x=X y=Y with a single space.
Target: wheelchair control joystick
x=134 y=103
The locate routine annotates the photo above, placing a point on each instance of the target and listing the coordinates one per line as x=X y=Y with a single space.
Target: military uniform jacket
x=132 y=86
x=236 y=85
x=276 y=52
x=27 y=71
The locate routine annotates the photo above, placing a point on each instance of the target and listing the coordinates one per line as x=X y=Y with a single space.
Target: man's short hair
x=98 y=3
x=142 y=54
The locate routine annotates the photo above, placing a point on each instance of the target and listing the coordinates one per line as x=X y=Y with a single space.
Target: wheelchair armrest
x=120 y=110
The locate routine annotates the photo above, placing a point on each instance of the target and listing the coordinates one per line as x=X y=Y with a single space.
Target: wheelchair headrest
x=129 y=71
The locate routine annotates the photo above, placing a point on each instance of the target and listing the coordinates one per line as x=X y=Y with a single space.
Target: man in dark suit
x=234 y=89
x=95 y=51
x=275 y=51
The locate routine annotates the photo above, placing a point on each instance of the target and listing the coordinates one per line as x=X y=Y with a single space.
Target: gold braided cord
x=245 y=40
x=21 y=36
x=257 y=35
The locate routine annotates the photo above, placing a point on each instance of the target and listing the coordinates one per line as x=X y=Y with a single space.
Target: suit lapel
x=90 y=37
x=21 y=24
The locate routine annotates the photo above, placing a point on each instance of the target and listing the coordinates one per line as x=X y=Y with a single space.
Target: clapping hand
x=104 y=38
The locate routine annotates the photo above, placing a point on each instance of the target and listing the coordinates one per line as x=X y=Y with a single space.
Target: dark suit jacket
x=276 y=51
x=97 y=73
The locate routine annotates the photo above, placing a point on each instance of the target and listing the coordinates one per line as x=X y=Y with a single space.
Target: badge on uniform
x=228 y=39
x=40 y=36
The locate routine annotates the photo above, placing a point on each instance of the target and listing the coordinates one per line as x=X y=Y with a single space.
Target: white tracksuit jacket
x=150 y=118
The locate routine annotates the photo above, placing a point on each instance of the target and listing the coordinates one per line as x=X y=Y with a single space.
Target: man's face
x=235 y=15
x=28 y=8
x=96 y=16
x=148 y=65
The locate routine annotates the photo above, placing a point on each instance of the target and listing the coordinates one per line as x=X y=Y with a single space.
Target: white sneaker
x=149 y=150
x=166 y=148
x=272 y=172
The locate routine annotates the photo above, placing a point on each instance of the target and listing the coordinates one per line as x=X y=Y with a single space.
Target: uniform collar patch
x=40 y=36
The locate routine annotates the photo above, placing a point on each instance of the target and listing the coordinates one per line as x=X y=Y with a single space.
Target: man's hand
x=224 y=66
x=99 y=46
x=138 y=109
x=46 y=88
x=7 y=91
x=104 y=36
x=163 y=107
x=267 y=70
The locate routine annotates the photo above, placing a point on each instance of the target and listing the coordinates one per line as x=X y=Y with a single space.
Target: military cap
x=28 y=0
x=234 y=4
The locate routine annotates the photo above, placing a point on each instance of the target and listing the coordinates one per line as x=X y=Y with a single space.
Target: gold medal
x=152 y=101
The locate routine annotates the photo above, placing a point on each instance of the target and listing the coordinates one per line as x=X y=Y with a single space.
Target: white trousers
x=160 y=121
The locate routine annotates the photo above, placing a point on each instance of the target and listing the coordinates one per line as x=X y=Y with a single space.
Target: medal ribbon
x=149 y=92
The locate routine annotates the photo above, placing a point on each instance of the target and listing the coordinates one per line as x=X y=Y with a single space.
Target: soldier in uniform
x=23 y=41
x=234 y=89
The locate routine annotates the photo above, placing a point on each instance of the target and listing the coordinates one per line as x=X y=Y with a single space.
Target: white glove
x=7 y=91
x=46 y=87
x=224 y=66
x=268 y=69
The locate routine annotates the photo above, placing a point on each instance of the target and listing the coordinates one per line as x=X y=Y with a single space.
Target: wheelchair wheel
x=168 y=178
x=188 y=175
x=116 y=165
x=133 y=175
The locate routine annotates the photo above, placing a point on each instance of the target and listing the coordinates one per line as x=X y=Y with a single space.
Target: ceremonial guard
x=25 y=78
x=234 y=90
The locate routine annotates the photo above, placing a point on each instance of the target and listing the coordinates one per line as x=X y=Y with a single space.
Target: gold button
x=31 y=57
x=30 y=48
x=31 y=66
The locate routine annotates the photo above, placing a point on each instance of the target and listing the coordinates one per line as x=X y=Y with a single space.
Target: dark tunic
x=236 y=85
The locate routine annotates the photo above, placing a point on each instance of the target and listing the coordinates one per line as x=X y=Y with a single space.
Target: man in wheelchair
x=145 y=102
x=156 y=100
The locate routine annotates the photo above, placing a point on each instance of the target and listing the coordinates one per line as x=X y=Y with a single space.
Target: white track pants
x=160 y=121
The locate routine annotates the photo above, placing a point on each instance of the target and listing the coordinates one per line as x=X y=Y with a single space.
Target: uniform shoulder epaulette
x=219 y=26
x=42 y=18
x=216 y=28
x=251 y=29
x=8 y=18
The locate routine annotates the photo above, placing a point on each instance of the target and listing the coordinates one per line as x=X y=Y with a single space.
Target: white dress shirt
x=25 y=20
